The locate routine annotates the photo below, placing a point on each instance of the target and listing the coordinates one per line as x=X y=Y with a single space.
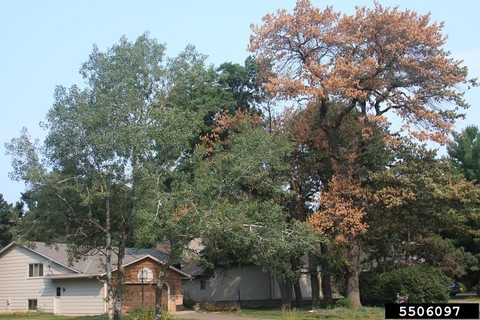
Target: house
x=244 y=285
x=35 y=276
x=141 y=276
x=247 y=285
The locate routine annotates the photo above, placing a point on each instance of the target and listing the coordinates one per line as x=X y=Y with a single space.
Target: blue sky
x=44 y=42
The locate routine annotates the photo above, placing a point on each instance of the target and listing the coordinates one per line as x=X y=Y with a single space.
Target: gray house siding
x=251 y=282
x=81 y=296
x=16 y=287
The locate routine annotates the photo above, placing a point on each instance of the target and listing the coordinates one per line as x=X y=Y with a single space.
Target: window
x=32 y=304
x=59 y=291
x=35 y=270
x=203 y=284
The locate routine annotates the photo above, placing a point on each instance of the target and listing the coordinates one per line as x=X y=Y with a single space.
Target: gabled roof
x=92 y=264
x=58 y=253
x=132 y=253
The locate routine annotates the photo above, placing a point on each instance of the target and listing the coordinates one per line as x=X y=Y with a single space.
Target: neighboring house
x=247 y=285
x=40 y=277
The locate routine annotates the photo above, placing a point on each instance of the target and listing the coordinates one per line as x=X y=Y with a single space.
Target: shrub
x=344 y=303
x=188 y=302
x=147 y=314
x=421 y=284
x=370 y=291
x=208 y=306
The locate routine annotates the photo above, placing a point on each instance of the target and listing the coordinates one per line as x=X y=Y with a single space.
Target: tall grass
x=289 y=313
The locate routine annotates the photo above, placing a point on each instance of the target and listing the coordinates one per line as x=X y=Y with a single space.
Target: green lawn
x=339 y=313
x=367 y=313
x=471 y=299
x=332 y=314
x=44 y=316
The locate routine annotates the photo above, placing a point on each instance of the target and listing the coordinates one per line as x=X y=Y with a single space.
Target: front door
x=57 y=306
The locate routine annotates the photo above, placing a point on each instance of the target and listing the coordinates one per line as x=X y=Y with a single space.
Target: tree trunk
x=285 y=285
x=159 y=294
x=120 y=278
x=108 y=262
x=298 y=294
x=327 y=289
x=478 y=288
x=314 y=282
x=326 y=279
x=352 y=277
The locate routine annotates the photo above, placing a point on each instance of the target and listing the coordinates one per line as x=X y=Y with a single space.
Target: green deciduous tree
x=120 y=153
x=81 y=184
x=244 y=82
x=168 y=208
x=242 y=184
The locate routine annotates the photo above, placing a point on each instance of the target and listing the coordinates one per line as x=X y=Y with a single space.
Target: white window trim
x=39 y=266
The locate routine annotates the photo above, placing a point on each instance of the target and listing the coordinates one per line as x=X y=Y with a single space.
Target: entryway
x=57 y=305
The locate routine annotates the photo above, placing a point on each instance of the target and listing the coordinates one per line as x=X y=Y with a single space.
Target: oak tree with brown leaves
x=378 y=62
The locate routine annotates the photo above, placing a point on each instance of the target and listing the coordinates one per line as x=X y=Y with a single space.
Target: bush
x=421 y=284
x=208 y=306
x=147 y=314
x=370 y=291
x=188 y=302
x=344 y=303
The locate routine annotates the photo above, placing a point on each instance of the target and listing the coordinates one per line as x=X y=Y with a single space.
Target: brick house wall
x=136 y=294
